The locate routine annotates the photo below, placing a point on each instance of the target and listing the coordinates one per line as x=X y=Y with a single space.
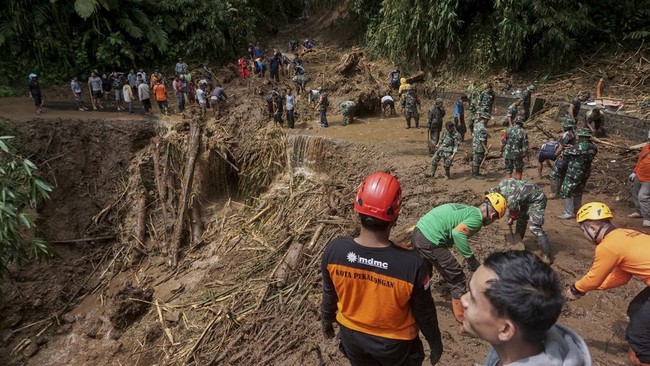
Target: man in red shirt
x=640 y=179
x=620 y=255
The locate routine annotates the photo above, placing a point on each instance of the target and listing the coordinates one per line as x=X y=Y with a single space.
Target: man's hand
x=572 y=293
x=511 y=220
x=436 y=352
x=473 y=263
x=452 y=157
x=327 y=328
x=632 y=177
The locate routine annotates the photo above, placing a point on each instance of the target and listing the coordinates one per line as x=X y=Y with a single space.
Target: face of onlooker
x=480 y=318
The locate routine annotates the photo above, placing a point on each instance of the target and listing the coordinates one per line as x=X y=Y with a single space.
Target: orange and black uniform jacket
x=379 y=291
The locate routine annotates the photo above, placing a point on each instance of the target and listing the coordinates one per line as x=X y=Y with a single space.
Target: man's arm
x=328 y=305
x=604 y=262
x=424 y=312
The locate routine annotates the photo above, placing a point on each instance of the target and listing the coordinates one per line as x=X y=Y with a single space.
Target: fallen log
x=419 y=76
x=179 y=225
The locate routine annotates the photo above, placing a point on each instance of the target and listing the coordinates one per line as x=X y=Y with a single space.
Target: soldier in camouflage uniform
x=514 y=145
x=323 y=103
x=579 y=158
x=512 y=113
x=411 y=104
x=473 y=106
x=486 y=100
x=574 y=105
x=347 y=110
x=526 y=201
x=479 y=145
x=446 y=149
x=559 y=168
x=526 y=96
x=434 y=123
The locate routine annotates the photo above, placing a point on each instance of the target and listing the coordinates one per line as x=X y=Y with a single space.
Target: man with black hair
x=450 y=225
x=513 y=303
x=376 y=291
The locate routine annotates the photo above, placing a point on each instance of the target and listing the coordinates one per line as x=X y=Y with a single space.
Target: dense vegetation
x=21 y=191
x=57 y=38
x=485 y=35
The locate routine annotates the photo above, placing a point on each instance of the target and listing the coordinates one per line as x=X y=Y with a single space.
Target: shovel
x=512 y=238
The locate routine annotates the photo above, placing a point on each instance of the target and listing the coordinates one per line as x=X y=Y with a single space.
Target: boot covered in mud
x=542 y=242
x=447 y=173
x=577 y=203
x=555 y=190
x=568 y=209
x=475 y=172
x=458 y=310
x=433 y=170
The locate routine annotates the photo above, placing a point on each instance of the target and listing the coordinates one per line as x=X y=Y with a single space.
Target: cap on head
x=594 y=211
x=584 y=132
x=531 y=87
x=568 y=123
x=485 y=115
x=32 y=75
x=450 y=125
x=498 y=203
x=439 y=101
x=379 y=196
x=402 y=80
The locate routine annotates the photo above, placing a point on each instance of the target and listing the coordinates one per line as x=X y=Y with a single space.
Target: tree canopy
x=61 y=38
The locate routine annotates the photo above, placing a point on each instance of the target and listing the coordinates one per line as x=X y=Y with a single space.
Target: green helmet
x=584 y=132
x=568 y=123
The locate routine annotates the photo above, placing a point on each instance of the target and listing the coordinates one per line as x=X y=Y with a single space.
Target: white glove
x=632 y=177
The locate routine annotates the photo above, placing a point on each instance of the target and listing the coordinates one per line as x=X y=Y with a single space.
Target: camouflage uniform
x=410 y=104
x=559 y=168
x=526 y=202
x=323 y=103
x=347 y=110
x=512 y=113
x=448 y=147
x=486 y=100
x=479 y=137
x=579 y=159
x=526 y=96
x=473 y=106
x=514 y=145
x=434 y=123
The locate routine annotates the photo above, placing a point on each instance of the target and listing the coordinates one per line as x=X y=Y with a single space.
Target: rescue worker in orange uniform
x=620 y=255
x=378 y=292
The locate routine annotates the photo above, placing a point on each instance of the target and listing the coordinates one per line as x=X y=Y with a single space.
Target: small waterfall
x=308 y=152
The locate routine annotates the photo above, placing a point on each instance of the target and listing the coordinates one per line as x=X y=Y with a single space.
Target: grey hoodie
x=563 y=347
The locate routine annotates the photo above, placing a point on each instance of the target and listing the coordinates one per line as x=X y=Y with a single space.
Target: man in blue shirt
x=459 y=116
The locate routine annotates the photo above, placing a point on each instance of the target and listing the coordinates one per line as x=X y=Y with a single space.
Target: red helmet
x=379 y=196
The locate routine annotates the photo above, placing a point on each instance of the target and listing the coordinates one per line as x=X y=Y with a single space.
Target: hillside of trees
x=57 y=38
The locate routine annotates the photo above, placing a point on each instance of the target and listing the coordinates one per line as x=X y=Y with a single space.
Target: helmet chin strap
x=601 y=225
x=487 y=212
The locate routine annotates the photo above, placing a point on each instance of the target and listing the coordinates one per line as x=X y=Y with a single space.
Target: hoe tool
x=512 y=238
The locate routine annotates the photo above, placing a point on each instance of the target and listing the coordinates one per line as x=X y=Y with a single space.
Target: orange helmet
x=379 y=196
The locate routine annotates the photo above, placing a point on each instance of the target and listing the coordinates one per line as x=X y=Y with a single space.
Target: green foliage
x=61 y=38
x=485 y=35
x=21 y=192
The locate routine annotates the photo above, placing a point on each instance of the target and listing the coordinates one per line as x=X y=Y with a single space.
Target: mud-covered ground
x=89 y=307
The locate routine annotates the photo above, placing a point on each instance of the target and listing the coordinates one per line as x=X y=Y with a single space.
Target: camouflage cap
x=568 y=122
x=584 y=132
x=531 y=87
x=485 y=115
x=439 y=101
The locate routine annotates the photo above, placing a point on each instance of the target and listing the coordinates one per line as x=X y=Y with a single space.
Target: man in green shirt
x=451 y=225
